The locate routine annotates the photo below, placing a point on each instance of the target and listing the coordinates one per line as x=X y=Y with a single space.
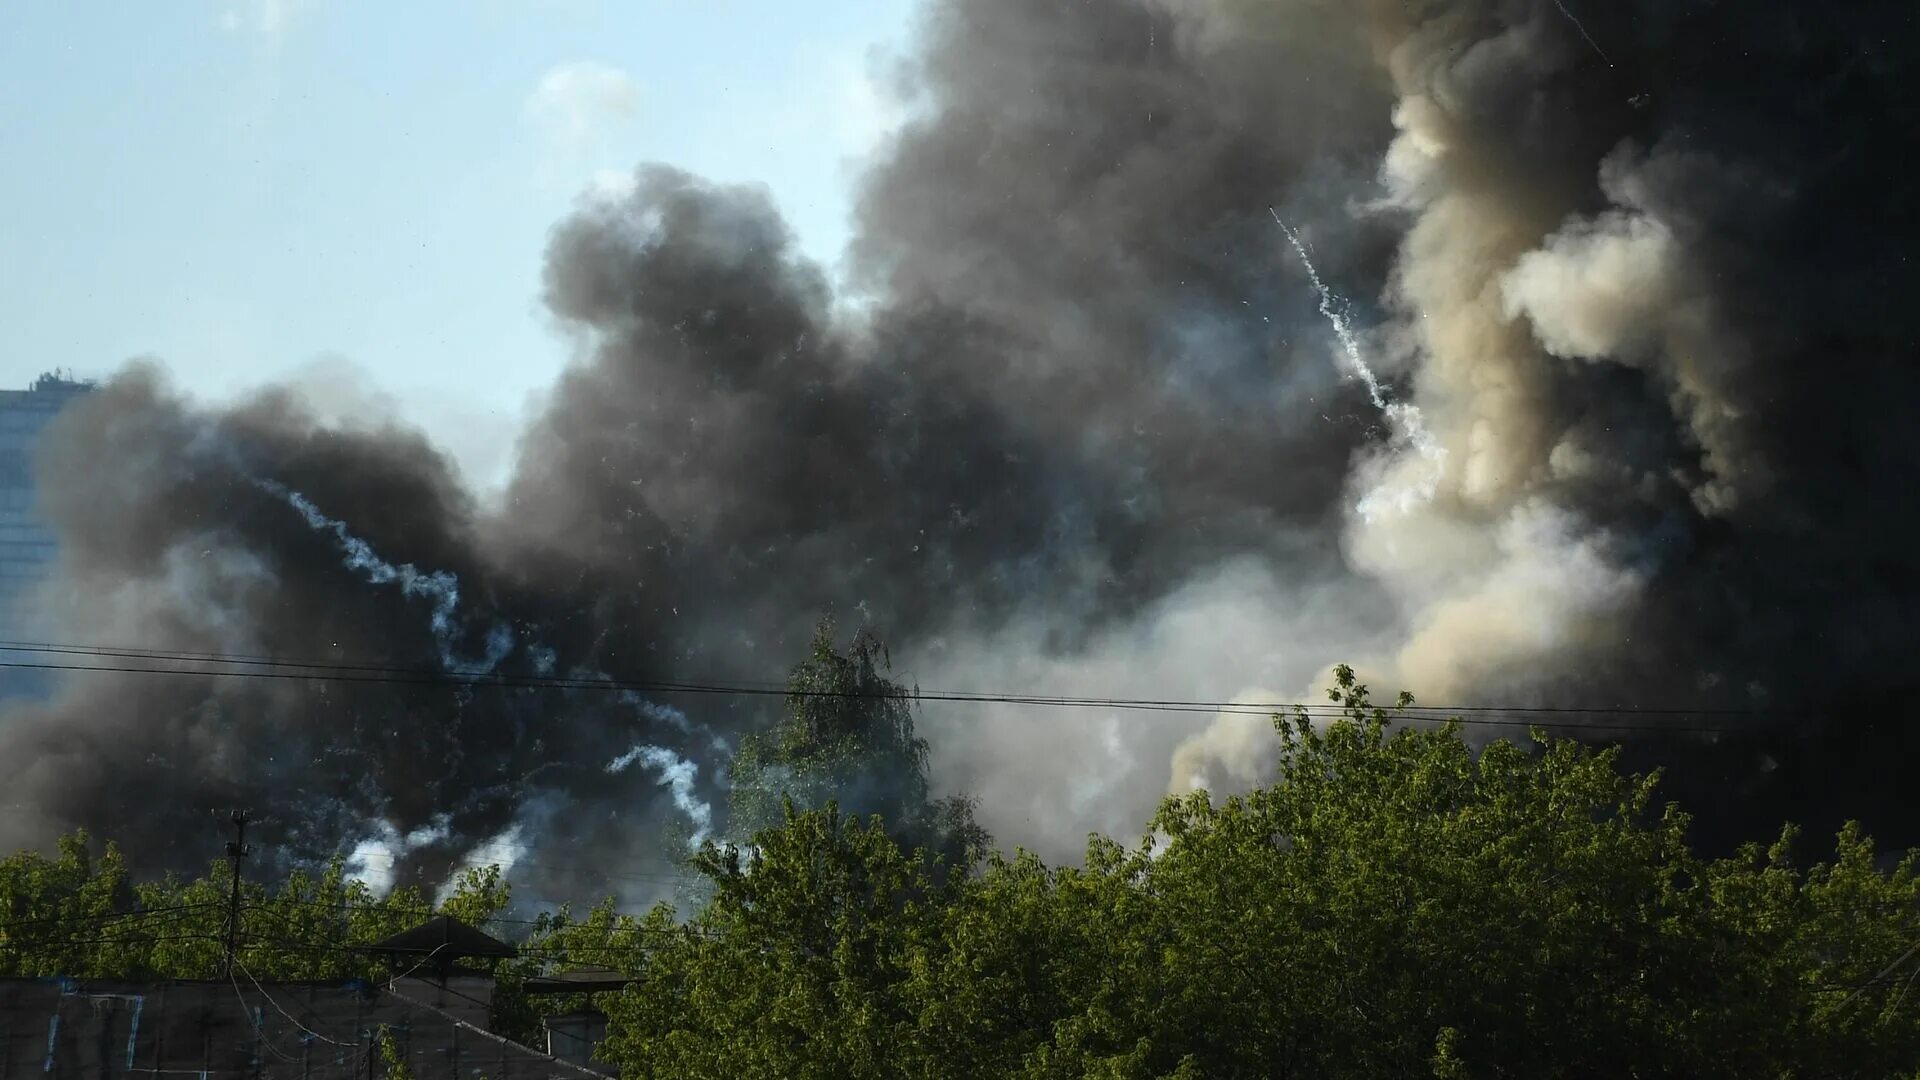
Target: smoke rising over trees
x=1076 y=423
x=1393 y=902
x=1390 y=905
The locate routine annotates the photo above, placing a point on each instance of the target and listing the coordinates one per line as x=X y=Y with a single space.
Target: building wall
x=27 y=547
x=575 y=1036
x=66 y=1029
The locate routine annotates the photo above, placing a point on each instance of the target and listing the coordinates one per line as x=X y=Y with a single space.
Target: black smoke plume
x=1636 y=279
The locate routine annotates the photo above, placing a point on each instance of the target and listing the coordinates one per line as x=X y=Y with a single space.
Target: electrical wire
x=326 y=672
x=384 y=859
x=259 y=1028
x=96 y=920
x=377 y=906
x=316 y=663
x=684 y=932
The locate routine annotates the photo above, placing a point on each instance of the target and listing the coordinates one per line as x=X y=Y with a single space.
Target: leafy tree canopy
x=847 y=737
x=78 y=914
x=1391 y=904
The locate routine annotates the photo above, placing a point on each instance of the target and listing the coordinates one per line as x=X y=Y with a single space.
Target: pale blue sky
x=242 y=188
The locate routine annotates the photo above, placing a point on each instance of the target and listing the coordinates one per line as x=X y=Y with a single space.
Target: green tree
x=392 y=1059
x=847 y=737
x=1391 y=904
x=797 y=966
x=560 y=941
x=79 y=914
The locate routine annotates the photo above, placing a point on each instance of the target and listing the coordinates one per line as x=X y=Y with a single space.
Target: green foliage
x=392 y=1061
x=847 y=737
x=79 y=915
x=807 y=946
x=848 y=729
x=1392 y=904
x=560 y=941
x=478 y=894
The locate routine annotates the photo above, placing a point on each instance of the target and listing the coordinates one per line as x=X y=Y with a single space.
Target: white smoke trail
x=375 y=859
x=667 y=714
x=443 y=590
x=439 y=587
x=504 y=851
x=678 y=774
x=1404 y=418
x=371 y=863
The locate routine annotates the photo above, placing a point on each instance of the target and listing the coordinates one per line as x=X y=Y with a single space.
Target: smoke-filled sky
x=327 y=191
x=1518 y=352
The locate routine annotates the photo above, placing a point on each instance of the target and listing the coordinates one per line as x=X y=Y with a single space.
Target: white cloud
x=576 y=103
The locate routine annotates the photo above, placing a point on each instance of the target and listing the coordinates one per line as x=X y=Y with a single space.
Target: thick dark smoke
x=1638 y=286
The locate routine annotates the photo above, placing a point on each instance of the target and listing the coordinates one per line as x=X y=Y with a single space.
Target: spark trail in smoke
x=1561 y=4
x=1404 y=417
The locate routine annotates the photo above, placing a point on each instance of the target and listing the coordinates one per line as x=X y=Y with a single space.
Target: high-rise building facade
x=27 y=547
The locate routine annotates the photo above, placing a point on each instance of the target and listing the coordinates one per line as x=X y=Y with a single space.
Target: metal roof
x=580 y=980
x=445 y=938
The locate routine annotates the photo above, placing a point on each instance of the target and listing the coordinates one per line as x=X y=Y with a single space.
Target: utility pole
x=236 y=850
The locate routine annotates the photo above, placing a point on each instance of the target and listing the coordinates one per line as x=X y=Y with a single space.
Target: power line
x=429 y=910
x=460 y=676
x=324 y=664
x=96 y=920
x=377 y=906
x=140 y=939
x=363 y=949
x=1475 y=715
x=259 y=1029
x=688 y=931
x=652 y=879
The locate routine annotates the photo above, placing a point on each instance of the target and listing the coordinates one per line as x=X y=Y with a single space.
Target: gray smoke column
x=1638 y=293
x=1630 y=279
x=255 y=532
x=1643 y=290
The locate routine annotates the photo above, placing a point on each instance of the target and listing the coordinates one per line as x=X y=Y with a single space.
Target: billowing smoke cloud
x=1082 y=421
x=1630 y=358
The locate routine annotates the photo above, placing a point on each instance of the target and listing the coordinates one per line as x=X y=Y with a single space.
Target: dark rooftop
x=445 y=939
x=63 y=1028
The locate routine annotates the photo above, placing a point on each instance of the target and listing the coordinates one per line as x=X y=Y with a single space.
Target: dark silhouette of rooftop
x=445 y=939
x=66 y=1028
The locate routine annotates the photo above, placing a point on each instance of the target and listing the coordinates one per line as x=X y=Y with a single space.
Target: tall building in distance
x=27 y=547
